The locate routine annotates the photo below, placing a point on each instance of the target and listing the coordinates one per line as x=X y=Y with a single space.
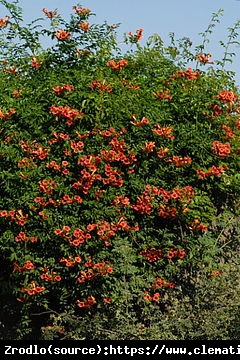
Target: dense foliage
x=119 y=208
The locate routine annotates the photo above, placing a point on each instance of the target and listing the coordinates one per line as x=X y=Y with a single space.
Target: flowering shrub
x=119 y=178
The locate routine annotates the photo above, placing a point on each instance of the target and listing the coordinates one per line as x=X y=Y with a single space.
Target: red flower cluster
x=70 y=262
x=204 y=58
x=63 y=168
x=90 y=162
x=215 y=273
x=175 y=253
x=162 y=152
x=9 y=138
x=4 y=21
x=47 y=186
x=140 y=123
x=151 y=254
x=62 y=34
x=69 y=200
x=101 y=86
x=221 y=149
x=43 y=215
x=183 y=194
x=138 y=36
x=180 y=161
x=35 y=63
x=66 y=113
x=12 y=70
x=25 y=162
x=23 y=237
x=107 y=300
x=214 y=171
x=79 y=235
x=86 y=181
x=188 y=74
x=15 y=215
x=84 y=25
x=229 y=133
x=123 y=225
x=227 y=96
x=49 y=14
x=46 y=276
x=216 y=109
x=144 y=203
x=105 y=133
x=99 y=193
x=197 y=226
x=6 y=115
x=58 y=138
x=35 y=150
x=88 y=303
x=54 y=329
x=83 y=12
x=33 y=289
x=164 y=132
x=155 y=298
x=76 y=146
x=129 y=85
x=105 y=231
x=167 y=211
x=149 y=147
x=117 y=65
x=94 y=269
x=44 y=203
x=117 y=152
x=113 y=176
x=160 y=284
x=64 y=232
x=163 y=95
x=28 y=266
x=88 y=178
x=87 y=276
x=120 y=201
x=59 y=90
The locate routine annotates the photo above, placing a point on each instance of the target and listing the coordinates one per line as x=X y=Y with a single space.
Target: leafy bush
x=119 y=209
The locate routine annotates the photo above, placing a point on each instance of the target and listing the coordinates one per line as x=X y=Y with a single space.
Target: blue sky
x=185 y=18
